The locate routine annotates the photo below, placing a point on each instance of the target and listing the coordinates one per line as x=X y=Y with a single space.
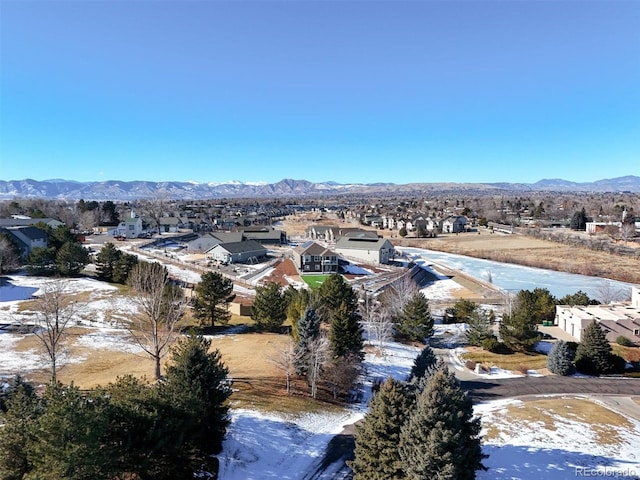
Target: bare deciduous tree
x=376 y=319
x=54 y=311
x=9 y=257
x=607 y=293
x=284 y=360
x=154 y=209
x=398 y=294
x=319 y=352
x=160 y=305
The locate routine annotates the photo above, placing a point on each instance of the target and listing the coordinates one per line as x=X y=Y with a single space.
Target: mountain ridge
x=140 y=189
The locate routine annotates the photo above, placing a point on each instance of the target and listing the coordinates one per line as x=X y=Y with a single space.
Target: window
x=636 y=332
x=306 y=259
x=317 y=258
x=306 y=267
x=317 y=267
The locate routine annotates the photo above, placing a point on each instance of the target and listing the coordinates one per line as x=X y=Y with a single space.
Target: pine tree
x=345 y=333
x=415 y=322
x=212 y=297
x=70 y=436
x=196 y=382
x=376 y=455
x=308 y=331
x=105 y=261
x=560 y=359
x=480 y=327
x=71 y=258
x=594 y=354
x=269 y=309
x=123 y=267
x=333 y=293
x=423 y=365
x=23 y=409
x=441 y=438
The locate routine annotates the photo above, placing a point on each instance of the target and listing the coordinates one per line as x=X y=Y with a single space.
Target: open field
x=532 y=252
x=512 y=361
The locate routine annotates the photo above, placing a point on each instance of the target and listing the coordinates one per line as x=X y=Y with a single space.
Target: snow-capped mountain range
x=132 y=190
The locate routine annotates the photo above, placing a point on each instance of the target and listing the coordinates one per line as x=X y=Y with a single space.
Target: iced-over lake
x=513 y=278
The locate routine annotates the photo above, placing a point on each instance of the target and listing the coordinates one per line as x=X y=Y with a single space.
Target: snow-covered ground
x=557 y=447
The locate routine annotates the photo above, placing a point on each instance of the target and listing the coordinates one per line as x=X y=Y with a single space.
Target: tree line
x=129 y=429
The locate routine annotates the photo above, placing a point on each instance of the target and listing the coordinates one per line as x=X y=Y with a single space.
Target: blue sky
x=354 y=91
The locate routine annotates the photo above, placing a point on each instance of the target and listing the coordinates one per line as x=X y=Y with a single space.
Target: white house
x=367 y=249
x=454 y=224
x=130 y=228
x=619 y=319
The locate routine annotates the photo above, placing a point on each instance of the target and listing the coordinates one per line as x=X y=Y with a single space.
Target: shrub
x=492 y=345
x=523 y=369
x=624 y=341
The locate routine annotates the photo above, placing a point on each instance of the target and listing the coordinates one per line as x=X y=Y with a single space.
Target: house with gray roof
x=311 y=257
x=27 y=238
x=237 y=252
x=367 y=249
x=23 y=221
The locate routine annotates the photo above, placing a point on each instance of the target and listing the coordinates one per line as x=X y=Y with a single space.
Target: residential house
x=237 y=252
x=454 y=224
x=130 y=228
x=24 y=221
x=27 y=238
x=265 y=235
x=369 y=250
x=171 y=224
x=311 y=257
x=619 y=319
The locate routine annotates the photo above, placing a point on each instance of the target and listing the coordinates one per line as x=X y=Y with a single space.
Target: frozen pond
x=514 y=278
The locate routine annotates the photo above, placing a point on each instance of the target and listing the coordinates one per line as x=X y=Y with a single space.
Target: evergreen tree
x=71 y=258
x=105 y=261
x=415 y=322
x=70 y=436
x=423 y=365
x=345 y=333
x=560 y=359
x=579 y=220
x=333 y=293
x=269 y=307
x=441 y=439
x=41 y=260
x=376 y=455
x=461 y=311
x=22 y=411
x=298 y=301
x=123 y=267
x=197 y=384
x=480 y=327
x=212 y=297
x=147 y=433
x=594 y=354
x=578 y=298
x=308 y=331
x=518 y=330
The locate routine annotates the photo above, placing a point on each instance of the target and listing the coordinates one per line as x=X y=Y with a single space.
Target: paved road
x=482 y=390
